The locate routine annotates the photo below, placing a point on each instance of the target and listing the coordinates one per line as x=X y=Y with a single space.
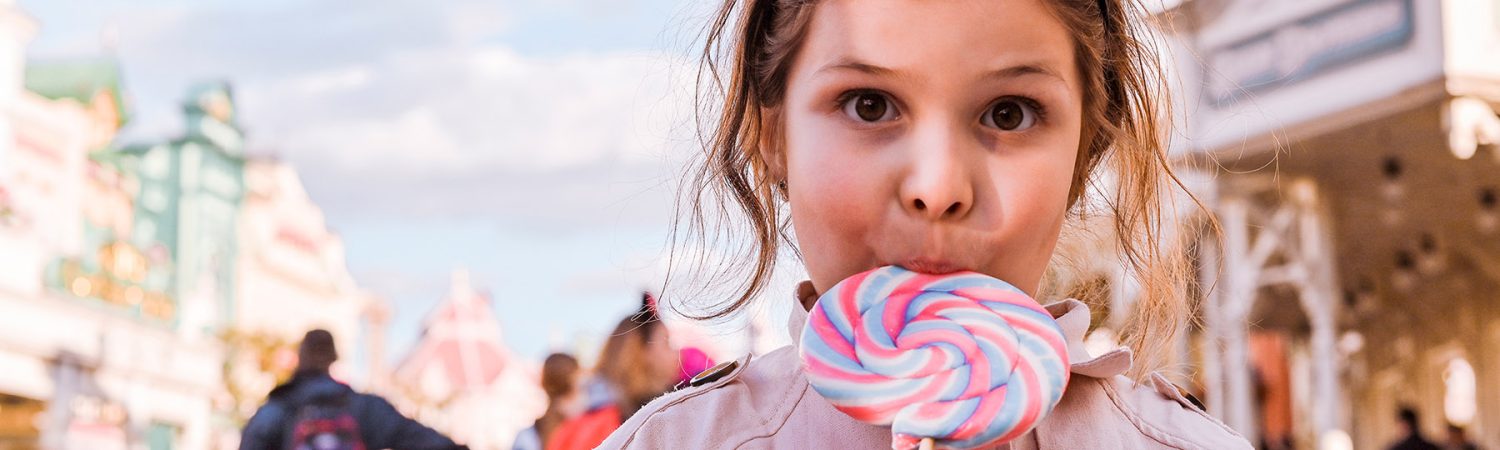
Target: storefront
x=1348 y=149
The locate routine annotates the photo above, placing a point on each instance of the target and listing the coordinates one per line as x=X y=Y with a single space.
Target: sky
x=535 y=143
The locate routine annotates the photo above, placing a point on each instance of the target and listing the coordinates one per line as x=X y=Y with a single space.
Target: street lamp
x=1488 y=218
x=1392 y=190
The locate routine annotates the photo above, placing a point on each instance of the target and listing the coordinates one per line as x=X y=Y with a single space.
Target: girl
x=938 y=135
x=560 y=373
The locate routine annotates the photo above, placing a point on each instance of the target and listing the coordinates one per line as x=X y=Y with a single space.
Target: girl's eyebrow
x=1015 y=71
x=857 y=66
x=1022 y=70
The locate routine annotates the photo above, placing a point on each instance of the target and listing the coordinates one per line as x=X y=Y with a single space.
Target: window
x=161 y=436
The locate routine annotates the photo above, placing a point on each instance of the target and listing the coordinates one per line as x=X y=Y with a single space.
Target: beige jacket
x=765 y=402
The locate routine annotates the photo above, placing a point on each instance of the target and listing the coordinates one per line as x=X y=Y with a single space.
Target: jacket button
x=714 y=373
x=1190 y=397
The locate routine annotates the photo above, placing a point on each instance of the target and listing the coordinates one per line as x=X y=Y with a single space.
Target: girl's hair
x=624 y=362
x=744 y=68
x=559 y=380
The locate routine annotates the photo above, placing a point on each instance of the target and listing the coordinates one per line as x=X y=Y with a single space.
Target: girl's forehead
x=977 y=38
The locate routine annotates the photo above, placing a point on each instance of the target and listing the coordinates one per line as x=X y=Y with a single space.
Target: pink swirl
x=964 y=359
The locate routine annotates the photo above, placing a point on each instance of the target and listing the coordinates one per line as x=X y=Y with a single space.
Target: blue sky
x=533 y=142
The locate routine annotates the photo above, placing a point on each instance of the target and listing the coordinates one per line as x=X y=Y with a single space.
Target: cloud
x=411 y=108
x=578 y=140
x=446 y=113
x=557 y=124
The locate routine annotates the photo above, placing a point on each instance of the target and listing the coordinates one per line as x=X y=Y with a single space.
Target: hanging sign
x=1299 y=50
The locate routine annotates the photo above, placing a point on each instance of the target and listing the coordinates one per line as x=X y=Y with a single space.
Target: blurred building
x=461 y=378
x=152 y=293
x=16 y=31
x=1348 y=148
x=90 y=342
x=191 y=189
x=290 y=277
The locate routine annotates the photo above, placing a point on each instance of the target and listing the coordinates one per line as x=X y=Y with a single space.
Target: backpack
x=326 y=424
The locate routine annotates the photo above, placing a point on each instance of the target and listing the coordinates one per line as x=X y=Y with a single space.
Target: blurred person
x=636 y=365
x=560 y=372
x=312 y=411
x=1458 y=439
x=1411 y=432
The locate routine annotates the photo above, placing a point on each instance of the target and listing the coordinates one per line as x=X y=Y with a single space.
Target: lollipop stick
x=926 y=444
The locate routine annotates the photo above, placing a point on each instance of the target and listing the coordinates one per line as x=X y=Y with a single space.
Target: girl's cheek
x=831 y=176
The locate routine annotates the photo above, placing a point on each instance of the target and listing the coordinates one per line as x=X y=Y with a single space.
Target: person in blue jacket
x=312 y=399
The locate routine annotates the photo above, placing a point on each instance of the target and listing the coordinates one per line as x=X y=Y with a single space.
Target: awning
x=25 y=376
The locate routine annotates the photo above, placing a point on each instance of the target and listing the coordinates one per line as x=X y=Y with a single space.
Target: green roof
x=77 y=79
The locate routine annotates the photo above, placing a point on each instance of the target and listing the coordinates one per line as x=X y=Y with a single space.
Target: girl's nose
x=937 y=184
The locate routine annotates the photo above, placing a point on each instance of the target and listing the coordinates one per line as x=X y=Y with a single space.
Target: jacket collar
x=1071 y=315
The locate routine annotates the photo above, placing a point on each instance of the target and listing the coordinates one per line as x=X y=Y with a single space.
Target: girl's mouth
x=931 y=266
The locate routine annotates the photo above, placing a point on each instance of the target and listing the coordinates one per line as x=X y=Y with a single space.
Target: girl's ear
x=770 y=144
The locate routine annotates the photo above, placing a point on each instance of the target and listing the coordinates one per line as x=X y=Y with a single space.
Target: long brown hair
x=623 y=363
x=744 y=67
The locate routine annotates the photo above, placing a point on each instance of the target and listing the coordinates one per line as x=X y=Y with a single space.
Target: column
x=1319 y=295
x=1238 y=294
x=1213 y=341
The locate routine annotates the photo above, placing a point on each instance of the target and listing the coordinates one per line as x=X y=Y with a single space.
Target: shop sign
x=96 y=424
x=96 y=436
x=119 y=275
x=1299 y=50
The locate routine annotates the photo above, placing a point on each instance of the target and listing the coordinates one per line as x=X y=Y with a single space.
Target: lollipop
x=954 y=361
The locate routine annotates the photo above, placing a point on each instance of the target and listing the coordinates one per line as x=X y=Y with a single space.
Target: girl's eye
x=869 y=107
x=1010 y=114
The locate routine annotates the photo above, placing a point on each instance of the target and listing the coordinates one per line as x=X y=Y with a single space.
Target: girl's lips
x=933 y=267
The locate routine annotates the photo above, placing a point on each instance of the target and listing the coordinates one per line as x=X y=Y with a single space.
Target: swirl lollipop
x=957 y=361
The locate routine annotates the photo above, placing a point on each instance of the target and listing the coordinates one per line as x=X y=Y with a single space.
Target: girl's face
x=935 y=135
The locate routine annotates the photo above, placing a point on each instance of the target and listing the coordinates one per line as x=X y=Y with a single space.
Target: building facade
x=89 y=342
x=1349 y=151
x=151 y=293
